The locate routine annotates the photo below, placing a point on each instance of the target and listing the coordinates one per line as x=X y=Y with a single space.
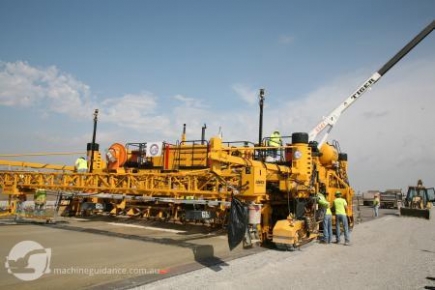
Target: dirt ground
x=390 y=252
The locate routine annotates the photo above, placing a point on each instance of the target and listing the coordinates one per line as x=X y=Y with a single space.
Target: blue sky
x=151 y=66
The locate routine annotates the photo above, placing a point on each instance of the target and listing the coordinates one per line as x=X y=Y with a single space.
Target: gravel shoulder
x=391 y=252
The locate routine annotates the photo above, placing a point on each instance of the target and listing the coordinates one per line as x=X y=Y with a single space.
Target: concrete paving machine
x=198 y=180
x=419 y=201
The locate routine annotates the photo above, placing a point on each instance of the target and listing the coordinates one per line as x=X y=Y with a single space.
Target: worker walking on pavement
x=340 y=206
x=275 y=141
x=81 y=165
x=327 y=218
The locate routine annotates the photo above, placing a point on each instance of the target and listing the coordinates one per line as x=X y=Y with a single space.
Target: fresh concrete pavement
x=112 y=254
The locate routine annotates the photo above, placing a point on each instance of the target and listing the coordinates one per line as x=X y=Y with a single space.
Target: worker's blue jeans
x=376 y=209
x=327 y=228
x=342 y=219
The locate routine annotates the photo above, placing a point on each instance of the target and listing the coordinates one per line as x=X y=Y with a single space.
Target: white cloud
x=16 y=84
x=52 y=91
x=27 y=86
x=245 y=93
x=138 y=112
x=189 y=102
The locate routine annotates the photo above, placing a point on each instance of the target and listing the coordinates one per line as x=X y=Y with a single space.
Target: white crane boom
x=329 y=121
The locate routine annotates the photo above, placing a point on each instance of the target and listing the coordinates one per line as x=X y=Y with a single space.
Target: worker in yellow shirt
x=39 y=199
x=327 y=219
x=340 y=206
x=275 y=141
x=376 y=205
x=81 y=165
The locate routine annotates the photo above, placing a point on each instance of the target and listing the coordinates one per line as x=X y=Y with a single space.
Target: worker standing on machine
x=340 y=206
x=275 y=141
x=81 y=165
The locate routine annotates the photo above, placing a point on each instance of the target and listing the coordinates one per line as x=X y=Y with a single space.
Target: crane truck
x=197 y=180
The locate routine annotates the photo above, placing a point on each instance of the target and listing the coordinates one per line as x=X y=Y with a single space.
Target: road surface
x=108 y=253
x=391 y=252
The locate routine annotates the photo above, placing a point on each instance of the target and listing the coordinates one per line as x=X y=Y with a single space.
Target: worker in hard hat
x=327 y=218
x=275 y=141
x=340 y=206
x=81 y=165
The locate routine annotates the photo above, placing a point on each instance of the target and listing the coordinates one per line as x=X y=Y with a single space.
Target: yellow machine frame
x=198 y=181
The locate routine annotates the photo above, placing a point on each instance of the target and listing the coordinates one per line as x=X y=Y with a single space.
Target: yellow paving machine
x=198 y=180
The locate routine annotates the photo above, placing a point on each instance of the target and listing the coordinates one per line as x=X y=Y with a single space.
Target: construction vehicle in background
x=418 y=201
x=369 y=196
x=198 y=180
x=391 y=198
